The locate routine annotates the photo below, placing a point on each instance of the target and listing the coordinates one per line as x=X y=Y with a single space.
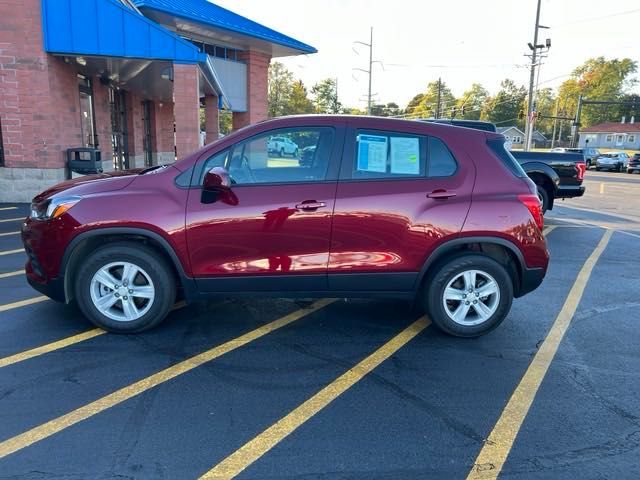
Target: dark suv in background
x=378 y=208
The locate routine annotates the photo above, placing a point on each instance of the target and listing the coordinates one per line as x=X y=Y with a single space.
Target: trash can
x=84 y=160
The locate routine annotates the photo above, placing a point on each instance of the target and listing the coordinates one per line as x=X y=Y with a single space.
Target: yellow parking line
x=50 y=347
x=22 y=303
x=6 y=234
x=8 y=208
x=496 y=448
x=10 y=252
x=4 y=220
x=269 y=438
x=56 y=425
x=11 y=274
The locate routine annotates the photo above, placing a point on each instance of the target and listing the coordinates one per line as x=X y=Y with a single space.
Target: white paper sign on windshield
x=405 y=155
x=372 y=153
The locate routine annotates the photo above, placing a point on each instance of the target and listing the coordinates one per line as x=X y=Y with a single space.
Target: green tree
x=391 y=109
x=429 y=101
x=545 y=107
x=414 y=102
x=298 y=102
x=353 y=111
x=280 y=88
x=470 y=105
x=506 y=106
x=325 y=96
x=598 y=79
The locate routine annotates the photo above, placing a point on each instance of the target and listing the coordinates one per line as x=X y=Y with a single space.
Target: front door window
x=284 y=182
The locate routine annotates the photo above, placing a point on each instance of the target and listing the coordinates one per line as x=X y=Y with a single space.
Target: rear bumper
x=531 y=279
x=570 y=191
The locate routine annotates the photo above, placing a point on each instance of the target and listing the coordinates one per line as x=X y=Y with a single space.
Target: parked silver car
x=617 y=161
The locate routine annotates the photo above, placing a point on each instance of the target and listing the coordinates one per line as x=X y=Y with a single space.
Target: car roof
x=367 y=122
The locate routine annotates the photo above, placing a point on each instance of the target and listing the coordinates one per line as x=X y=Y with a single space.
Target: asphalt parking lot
x=339 y=389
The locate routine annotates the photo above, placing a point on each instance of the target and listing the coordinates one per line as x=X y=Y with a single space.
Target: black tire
x=588 y=164
x=619 y=168
x=154 y=266
x=445 y=272
x=543 y=195
x=598 y=169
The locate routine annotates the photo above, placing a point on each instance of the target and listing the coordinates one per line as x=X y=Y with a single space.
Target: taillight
x=582 y=167
x=532 y=202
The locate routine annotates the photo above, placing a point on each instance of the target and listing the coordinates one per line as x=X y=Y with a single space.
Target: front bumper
x=54 y=288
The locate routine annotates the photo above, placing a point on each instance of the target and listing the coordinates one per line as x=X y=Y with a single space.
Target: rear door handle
x=441 y=194
x=310 y=205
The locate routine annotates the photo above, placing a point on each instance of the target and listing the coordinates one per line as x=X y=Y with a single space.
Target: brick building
x=126 y=77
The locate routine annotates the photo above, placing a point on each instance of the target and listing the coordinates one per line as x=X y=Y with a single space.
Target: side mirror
x=216 y=179
x=216 y=186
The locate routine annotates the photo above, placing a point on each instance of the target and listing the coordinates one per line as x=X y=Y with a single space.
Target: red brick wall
x=186 y=108
x=257 y=81
x=39 y=99
x=212 y=118
x=163 y=127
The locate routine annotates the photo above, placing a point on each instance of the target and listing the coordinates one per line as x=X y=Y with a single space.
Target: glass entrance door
x=118 y=129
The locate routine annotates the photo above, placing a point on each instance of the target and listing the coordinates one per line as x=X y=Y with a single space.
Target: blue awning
x=216 y=17
x=108 y=28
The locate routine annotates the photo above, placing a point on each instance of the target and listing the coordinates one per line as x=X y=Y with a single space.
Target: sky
x=461 y=41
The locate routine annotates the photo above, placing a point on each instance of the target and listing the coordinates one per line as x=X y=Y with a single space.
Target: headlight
x=53 y=208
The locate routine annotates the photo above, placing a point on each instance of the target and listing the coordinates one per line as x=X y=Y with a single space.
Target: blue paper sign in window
x=372 y=153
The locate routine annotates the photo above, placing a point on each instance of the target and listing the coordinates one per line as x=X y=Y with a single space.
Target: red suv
x=379 y=208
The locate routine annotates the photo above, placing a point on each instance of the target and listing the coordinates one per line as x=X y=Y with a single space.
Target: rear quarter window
x=498 y=147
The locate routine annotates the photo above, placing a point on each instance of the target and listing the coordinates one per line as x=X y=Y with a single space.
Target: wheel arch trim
x=441 y=250
x=187 y=282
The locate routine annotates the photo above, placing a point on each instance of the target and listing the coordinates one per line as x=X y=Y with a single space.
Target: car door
x=393 y=207
x=273 y=233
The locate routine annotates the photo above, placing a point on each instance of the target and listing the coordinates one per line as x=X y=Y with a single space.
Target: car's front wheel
x=125 y=288
x=469 y=295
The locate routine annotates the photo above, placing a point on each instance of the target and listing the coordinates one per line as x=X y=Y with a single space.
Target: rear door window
x=397 y=155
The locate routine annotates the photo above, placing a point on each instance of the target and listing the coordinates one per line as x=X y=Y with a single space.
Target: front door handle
x=441 y=194
x=308 y=205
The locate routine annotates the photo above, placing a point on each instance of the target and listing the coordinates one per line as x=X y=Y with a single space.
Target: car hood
x=87 y=184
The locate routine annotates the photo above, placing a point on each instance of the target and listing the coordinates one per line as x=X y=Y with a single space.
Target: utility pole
x=576 y=123
x=370 y=71
x=439 y=97
x=555 y=123
x=534 y=47
x=532 y=77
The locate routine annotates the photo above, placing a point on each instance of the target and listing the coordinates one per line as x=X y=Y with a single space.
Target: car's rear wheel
x=125 y=288
x=469 y=295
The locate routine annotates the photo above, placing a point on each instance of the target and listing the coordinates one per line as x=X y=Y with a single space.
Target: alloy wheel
x=471 y=297
x=122 y=291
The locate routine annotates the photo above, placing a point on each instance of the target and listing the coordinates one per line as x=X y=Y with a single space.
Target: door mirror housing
x=217 y=186
x=217 y=179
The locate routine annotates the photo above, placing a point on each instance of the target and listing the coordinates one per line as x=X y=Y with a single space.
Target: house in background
x=612 y=136
x=126 y=78
x=516 y=136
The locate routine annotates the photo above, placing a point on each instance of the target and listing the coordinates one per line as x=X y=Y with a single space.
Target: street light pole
x=529 y=123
